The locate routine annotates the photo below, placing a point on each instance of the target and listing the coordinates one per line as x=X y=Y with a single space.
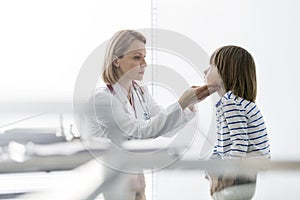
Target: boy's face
x=212 y=76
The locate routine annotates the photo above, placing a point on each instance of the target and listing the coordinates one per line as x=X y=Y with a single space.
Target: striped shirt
x=241 y=130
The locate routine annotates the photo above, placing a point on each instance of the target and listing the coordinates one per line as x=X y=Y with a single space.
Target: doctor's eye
x=137 y=57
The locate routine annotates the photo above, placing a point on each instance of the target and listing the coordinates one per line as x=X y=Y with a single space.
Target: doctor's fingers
x=202 y=92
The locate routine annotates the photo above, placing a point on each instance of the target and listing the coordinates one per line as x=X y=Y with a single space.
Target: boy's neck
x=221 y=92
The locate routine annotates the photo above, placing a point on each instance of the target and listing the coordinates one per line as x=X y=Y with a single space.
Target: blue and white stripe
x=241 y=130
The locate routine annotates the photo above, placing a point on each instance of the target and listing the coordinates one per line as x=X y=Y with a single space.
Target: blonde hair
x=117 y=47
x=237 y=70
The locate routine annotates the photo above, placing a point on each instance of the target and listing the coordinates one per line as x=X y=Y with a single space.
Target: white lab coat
x=118 y=120
x=110 y=115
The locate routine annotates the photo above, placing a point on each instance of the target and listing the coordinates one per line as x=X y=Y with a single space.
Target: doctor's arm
x=111 y=114
x=191 y=96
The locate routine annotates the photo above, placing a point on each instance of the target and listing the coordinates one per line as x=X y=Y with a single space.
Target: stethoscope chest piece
x=146 y=116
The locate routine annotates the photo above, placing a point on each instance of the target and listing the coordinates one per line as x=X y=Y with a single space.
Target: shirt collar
x=225 y=97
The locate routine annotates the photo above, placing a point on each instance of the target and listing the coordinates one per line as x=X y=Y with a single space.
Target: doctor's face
x=132 y=64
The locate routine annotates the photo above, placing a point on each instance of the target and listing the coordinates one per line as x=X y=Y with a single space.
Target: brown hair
x=117 y=47
x=237 y=70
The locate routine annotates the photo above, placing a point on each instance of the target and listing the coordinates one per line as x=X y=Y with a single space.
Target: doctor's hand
x=196 y=94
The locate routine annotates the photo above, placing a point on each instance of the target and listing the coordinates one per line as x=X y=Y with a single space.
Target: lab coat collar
x=121 y=94
x=121 y=91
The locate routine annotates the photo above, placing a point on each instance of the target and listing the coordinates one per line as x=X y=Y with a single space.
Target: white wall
x=44 y=43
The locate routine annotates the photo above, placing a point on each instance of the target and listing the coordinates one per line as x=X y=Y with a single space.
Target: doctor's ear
x=116 y=62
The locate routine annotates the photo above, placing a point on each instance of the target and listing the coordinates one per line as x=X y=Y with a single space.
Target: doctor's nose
x=143 y=63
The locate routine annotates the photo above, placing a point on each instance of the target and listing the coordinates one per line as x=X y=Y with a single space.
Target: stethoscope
x=140 y=95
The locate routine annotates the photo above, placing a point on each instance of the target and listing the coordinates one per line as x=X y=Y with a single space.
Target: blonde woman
x=125 y=109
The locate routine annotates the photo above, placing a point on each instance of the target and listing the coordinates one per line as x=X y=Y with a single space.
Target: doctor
x=124 y=109
x=121 y=102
